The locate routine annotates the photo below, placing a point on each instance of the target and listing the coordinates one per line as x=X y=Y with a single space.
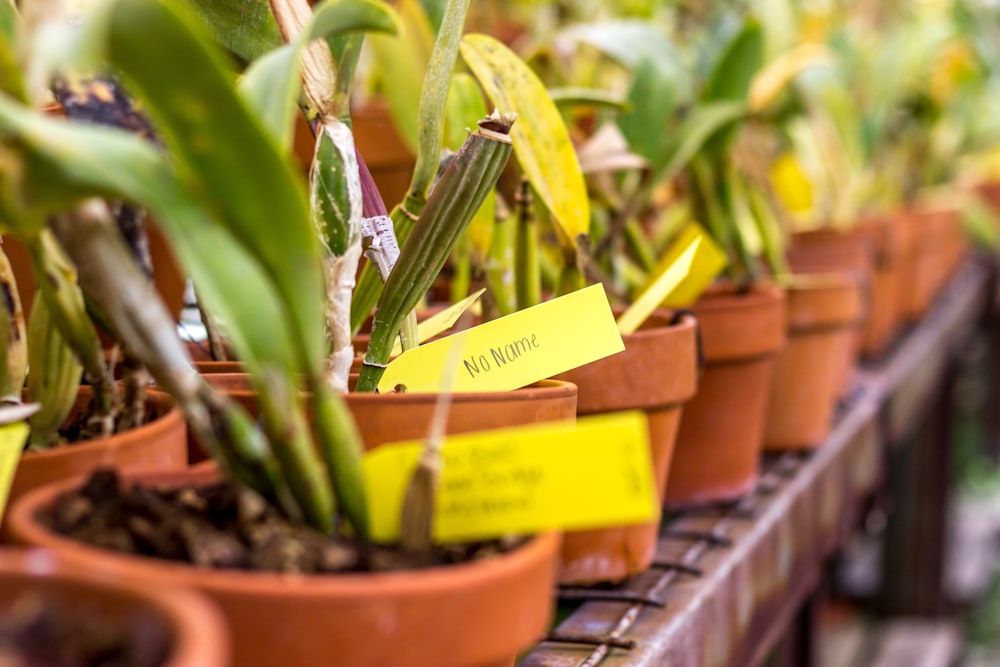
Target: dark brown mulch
x=39 y=630
x=225 y=526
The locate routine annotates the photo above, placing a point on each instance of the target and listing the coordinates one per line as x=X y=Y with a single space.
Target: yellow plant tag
x=591 y=474
x=687 y=268
x=12 y=438
x=515 y=350
x=441 y=321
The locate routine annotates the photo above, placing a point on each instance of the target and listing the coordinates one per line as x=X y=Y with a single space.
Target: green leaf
x=541 y=140
x=733 y=72
x=701 y=125
x=271 y=87
x=224 y=154
x=433 y=108
x=8 y=23
x=271 y=84
x=653 y=102
x=435 y=12
x=739 y=62
x=88 y=160
x=245 y=27
x=402 y=62
x=572 y=96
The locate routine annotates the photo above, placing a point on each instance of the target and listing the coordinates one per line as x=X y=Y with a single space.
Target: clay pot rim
x=724 y=296
x=24 y=528
x=193 y=621
x=156 y=428
x=547 y=388
x=687 y=321
x=841 y=286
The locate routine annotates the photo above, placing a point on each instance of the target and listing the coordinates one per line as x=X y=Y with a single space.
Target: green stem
x=500 y=274
x=526 y=269
x=472 y=173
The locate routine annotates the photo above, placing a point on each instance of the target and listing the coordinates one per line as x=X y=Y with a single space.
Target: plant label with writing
x=516 y=350
x=593 y=473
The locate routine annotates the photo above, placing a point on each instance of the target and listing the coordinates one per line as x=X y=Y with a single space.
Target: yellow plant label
x=442 y=321
x=594 y=473
x=516 y=350
x=12 y=438
x=687 y=268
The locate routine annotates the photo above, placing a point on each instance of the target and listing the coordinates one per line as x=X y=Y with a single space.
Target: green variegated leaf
x=224 y=154
x=541 y=140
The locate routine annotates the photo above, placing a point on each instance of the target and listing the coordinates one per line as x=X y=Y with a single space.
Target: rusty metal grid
x=757 y=559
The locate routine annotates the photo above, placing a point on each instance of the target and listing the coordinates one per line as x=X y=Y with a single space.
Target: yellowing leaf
x=541 y=141
x=769 y=82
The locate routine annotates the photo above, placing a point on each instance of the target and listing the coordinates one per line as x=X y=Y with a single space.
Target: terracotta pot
x=824 y=313
x=853 y=251
x=192 y=627
x=410 y=414
x=477 y=614
x=722 y=430
x=159 y=444
x=656 y=373
x=884 y=317
x=928 y=270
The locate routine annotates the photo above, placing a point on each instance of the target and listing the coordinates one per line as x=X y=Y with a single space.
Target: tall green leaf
x=733 y=72
x=704 y=123
x=253 y=189
x=86 y=160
